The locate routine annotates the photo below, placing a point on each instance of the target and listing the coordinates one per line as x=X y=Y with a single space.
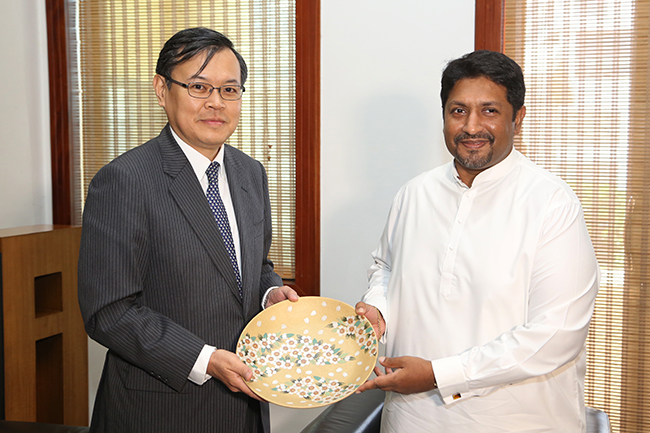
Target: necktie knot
x=213 y=172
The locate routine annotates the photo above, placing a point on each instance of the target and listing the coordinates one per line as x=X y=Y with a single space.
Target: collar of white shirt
x=492 y=174
x=198 y=161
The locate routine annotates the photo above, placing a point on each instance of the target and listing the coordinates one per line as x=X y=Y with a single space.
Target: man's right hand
x=229 y=369
x=374 y=317
x=280 y=294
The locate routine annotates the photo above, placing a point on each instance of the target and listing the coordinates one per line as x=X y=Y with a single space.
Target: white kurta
x=495 y=284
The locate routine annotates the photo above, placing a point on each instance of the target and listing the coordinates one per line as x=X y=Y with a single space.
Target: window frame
x=488 y=18
x=307 y=236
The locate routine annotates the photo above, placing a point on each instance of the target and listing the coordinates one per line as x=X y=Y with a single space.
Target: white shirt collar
x=199 y=161
x=493 y=173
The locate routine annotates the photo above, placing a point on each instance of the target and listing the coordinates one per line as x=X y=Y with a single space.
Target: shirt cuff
x=450 y=378
x=266 y=295
x=199 y=374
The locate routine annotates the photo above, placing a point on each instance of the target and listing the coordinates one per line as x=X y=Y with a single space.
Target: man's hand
x=280 y=294
x=374 y=317
x=229 y=369
x=404 y=374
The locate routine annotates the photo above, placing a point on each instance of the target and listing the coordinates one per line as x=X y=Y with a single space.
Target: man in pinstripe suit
x=160 y=284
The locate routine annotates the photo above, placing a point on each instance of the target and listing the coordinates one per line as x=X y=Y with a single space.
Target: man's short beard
x=474 y=161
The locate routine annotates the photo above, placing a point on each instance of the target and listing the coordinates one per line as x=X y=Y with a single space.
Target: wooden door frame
x=489 y=22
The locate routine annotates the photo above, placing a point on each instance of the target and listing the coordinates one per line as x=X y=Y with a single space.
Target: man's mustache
x=480 y=136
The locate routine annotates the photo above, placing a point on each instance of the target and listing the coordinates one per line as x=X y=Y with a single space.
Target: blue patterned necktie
x=219 y=211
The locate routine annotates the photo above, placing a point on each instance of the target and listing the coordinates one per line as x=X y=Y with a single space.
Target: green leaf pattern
x=269 y=353
x=358 y=329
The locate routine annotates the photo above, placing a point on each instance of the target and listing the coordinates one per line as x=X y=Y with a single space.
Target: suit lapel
x=186 y=191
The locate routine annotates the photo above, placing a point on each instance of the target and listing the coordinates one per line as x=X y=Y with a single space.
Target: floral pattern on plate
x=270 y=353
x=309 y=353
x=317 y=389
x=358 y=329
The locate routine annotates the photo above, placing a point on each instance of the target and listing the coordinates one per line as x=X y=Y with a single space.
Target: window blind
x=586 y=69
x=115 y=46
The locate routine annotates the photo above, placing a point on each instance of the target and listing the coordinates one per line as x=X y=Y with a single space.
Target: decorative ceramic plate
x=308 y=353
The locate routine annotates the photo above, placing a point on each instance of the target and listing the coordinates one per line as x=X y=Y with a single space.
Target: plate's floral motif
x=317 y=389
x=308 y=353
x=269 y=353
x=358 y=329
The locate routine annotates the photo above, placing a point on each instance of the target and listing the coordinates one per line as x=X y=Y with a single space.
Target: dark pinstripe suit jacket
x=156 y=284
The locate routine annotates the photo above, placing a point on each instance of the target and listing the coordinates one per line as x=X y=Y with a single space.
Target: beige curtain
x=115 y=46
x=586 y=69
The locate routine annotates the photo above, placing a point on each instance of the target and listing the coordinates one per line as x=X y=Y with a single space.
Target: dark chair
x=361 y=413
x=358 y=413
x=597 y=421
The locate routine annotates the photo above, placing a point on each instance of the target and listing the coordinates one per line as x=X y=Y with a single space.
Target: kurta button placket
x=456 y=232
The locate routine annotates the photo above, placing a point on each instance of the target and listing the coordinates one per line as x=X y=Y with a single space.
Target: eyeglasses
x=228 y=92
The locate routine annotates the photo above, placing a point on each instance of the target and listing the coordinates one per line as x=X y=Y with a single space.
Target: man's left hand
x=280 y=294
x=404 y=374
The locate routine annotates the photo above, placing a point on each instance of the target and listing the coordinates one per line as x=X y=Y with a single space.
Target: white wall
x=381 y=125
x=25 y=179
x=381 y=121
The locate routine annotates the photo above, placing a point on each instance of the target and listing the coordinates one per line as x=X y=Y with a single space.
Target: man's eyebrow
x=204 y=78
x=454 y=102
x=483 y=104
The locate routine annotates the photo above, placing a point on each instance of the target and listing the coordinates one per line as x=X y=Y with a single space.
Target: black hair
x=189 y=43
x=490 y=64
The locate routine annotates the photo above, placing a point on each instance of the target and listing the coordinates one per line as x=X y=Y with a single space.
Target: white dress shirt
x=200 y=164
x=495 y=284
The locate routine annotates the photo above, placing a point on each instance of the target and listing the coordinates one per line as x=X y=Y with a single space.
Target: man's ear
x=161 y=89
x=519 y=118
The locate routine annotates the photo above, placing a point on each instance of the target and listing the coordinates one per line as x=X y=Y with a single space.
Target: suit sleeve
x=112 y=267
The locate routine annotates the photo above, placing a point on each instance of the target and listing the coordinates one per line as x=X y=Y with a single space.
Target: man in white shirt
x=485 y=277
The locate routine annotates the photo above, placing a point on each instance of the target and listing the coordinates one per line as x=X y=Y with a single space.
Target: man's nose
x=472 y=123
x=215 y=100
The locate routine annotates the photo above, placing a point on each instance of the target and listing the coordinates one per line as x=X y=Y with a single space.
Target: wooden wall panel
x=45 y=345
